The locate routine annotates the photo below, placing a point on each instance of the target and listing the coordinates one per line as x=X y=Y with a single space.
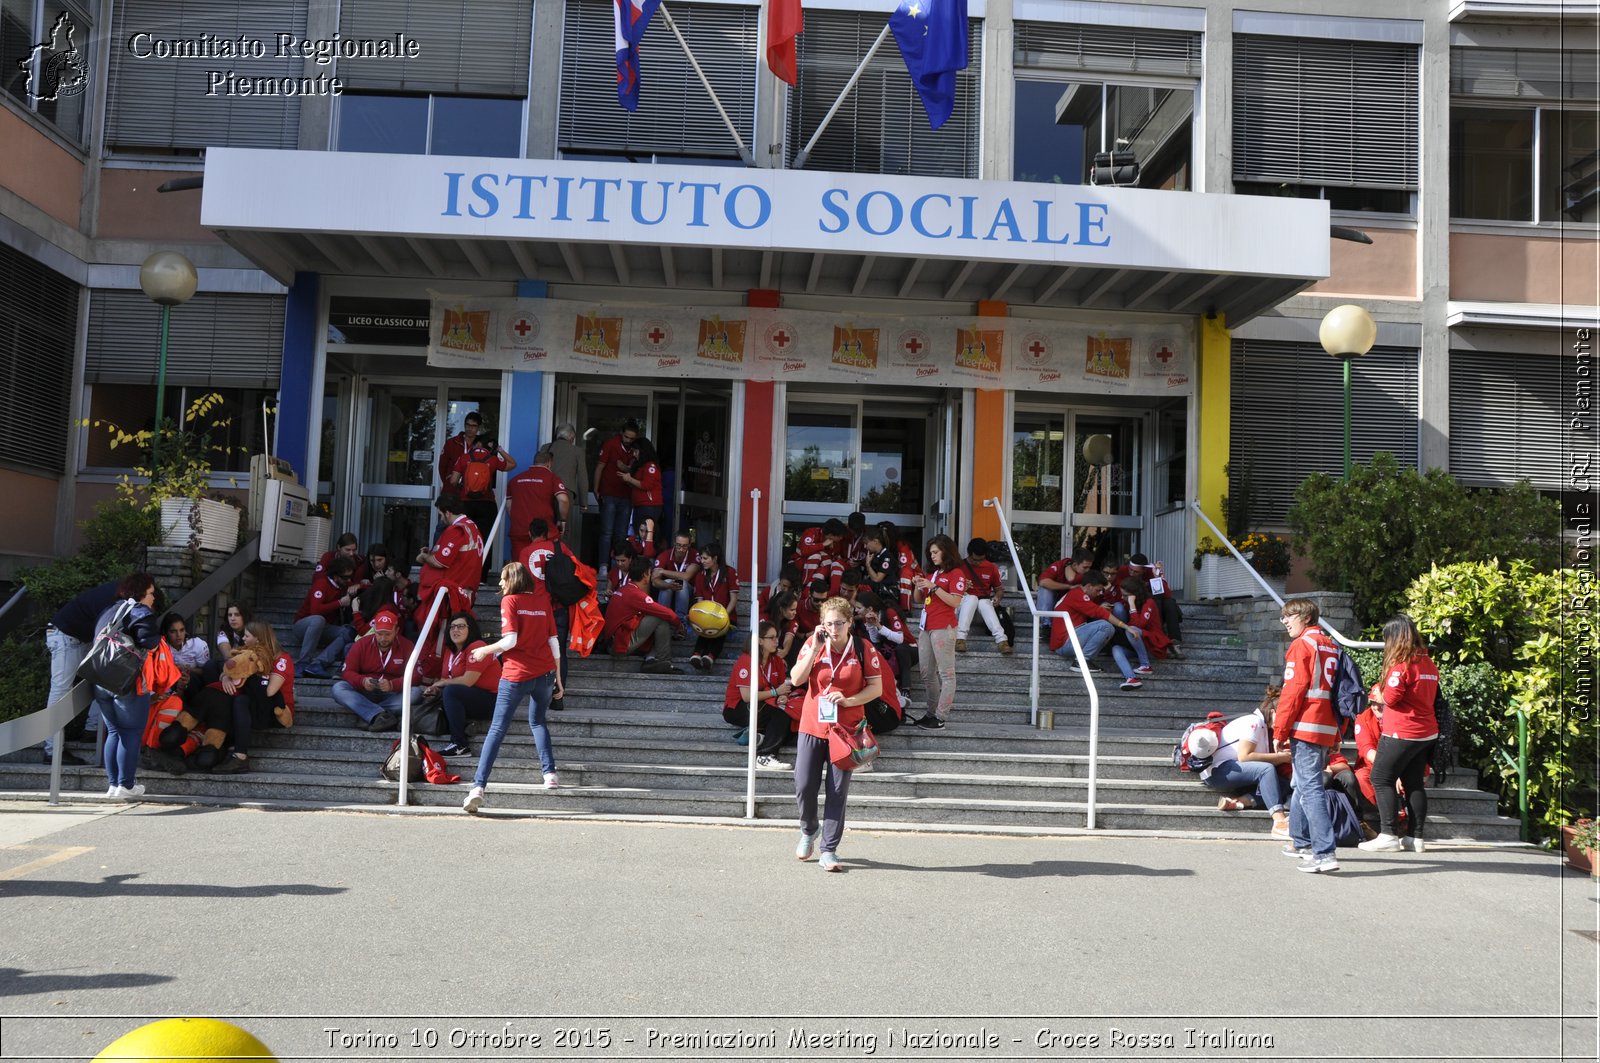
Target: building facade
x=394 y=196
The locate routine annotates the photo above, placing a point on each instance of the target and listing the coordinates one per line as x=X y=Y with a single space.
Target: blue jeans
x=367 y=705
x=1094 y=635
x=461 y=702
x=505 y=706
x=309 y=630
x=677 y=598
x=1310 y=826
x=1136 y=641
x=66 y=654
x=1046 y=599
x=613 y=524
x=1256 y=776
x=125 y=719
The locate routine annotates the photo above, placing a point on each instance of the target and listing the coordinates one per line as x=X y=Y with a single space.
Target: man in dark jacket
x=67 y=637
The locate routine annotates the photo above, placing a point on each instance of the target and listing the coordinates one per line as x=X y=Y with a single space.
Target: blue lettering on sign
x=878 y=212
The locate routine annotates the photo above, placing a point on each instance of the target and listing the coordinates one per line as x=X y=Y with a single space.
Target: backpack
x=1442 y=759
x=114 y=660
x=1349 y=692
x=478 y=477
x=1182 y=756
x=562 y=579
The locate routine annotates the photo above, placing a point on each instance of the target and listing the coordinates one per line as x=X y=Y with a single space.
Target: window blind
x=474 y=47
x=219 y=339
x=1505 y=419
x=38 y=330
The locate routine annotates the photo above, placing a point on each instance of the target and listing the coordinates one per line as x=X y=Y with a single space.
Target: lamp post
x=1347 y=332
x=168 y=279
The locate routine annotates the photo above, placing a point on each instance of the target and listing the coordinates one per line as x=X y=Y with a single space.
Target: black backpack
x=114 y=660
x=561 y=577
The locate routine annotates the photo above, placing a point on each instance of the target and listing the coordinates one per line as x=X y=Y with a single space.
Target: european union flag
x=932 y=35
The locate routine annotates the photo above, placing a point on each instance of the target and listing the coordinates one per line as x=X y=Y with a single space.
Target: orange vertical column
x=988 y=445
x=755 y=470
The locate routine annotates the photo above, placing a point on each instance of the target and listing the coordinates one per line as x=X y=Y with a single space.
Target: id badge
x=827 y=710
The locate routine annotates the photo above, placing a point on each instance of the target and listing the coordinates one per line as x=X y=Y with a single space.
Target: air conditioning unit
x=285 y=506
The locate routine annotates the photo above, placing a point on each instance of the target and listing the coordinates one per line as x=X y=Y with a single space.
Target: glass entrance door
x=1085 y=460
x=1038 y=444
x=396 y=440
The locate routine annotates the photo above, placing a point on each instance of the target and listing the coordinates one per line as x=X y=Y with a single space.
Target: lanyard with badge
x=828 y=704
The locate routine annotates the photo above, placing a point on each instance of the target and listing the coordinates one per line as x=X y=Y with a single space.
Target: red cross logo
x=1037 y=349
x=914 y=345
x=655 y=335
x=1165 y=355
x=781 y=338
x=522 y=328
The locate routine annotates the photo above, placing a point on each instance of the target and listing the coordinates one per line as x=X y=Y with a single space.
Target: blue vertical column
x=524 y=398
x=296 y=384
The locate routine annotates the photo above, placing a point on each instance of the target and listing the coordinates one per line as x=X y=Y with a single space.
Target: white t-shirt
x=1250 y=728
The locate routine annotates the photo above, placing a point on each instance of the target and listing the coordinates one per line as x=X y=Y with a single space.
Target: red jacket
x=1148 y=618
x=325 y=598
x=1305 y=708
x=1083 y=609
x=1408 y=693
x=627 y=606
x=367 y=660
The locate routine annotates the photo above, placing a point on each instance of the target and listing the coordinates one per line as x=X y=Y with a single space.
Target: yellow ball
x=189 y=1040
x=709 y=619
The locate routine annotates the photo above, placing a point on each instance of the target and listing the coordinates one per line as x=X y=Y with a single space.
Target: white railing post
x=405 y=693
x=754 y=583
x=1077 y=650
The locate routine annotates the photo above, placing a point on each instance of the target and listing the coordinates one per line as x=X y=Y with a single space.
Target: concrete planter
x=214 y=524
x=1222 y=576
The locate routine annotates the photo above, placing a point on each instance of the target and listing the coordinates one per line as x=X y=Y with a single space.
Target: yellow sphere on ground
x=190 y=1040
x=709 y=619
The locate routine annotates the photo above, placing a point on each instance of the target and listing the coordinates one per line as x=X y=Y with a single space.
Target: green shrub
x=1513 y=641
x=1388 y=524
x=24 y=676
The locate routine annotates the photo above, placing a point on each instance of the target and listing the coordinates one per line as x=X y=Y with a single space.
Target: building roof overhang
x=689 y=228
x=1461 y=314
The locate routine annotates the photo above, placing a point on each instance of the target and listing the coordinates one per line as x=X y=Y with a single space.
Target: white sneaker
x=1413 y=843
x=771 y=764
x=131 y=793
x=806 y=846
x=474 y=800
x=1298 y=854
x=1313 y=864
x=1383 y=843
x=113 y=791
x=551 y=781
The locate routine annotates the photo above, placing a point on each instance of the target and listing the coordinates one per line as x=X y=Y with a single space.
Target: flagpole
x=744 y=152
x=805 y=152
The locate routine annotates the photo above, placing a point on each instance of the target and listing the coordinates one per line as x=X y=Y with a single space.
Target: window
x=1522 y=120
x=217 y=340
x=233 y=427
x=54 y=84
x=430 y=125
x=158 y=104
x=38 y=334
x=468 y=48
x=1505 y=419
x=881 y=127
x=1279 y=387
x=676 y=120
x=1327 y=119
x=1082 y=90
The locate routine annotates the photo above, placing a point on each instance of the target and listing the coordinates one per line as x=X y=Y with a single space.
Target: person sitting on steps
x=637 y=624
x=1246 y=768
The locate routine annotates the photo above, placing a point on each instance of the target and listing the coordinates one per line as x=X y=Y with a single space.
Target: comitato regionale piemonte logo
x=55 y=67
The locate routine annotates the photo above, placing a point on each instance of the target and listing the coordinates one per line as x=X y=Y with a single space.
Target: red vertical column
x=760 y=417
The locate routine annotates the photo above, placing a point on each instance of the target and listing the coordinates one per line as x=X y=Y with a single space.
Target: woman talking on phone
x=840 y=675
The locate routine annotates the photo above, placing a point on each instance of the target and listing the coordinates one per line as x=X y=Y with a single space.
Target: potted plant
x=1221 y=574
x=1581 y=839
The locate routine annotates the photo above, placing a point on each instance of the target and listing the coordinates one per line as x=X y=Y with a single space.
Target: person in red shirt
x=1095 y=626
x=766 y=685
x=1307 y=725
x=1171 y=615
x=941 y=593
x=454 y=563
x=529 y=653
x=636 y=623
x=818 y=556
x=534 y=557
x=888 y=635
x=717 y=583
x=984 y=599
x=466 y=688
x=265 y=700
x=344 y=546
x=782 y=613
x=674 y=576
x=614 y=494
x=537 y=492
x=788 y=581
x=458 y=445
x=644 y=482
x=374 y=673
x=473 y=480
x=327 y=604
x=840 y=674
x=905 y=562
x=1144 y=613
x=1061 y=577
x=1409 y=731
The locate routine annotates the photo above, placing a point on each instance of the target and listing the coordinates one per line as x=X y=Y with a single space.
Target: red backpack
x=479 y=474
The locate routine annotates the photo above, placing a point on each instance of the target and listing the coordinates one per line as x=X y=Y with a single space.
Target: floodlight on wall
x=1116 y=168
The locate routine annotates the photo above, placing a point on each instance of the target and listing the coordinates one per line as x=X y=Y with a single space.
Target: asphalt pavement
x=336 y=935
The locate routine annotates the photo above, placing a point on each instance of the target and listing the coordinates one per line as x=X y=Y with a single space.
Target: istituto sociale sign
x=854 y=350
x=566 y=200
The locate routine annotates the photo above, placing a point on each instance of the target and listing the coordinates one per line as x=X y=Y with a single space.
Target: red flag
x=784 y=23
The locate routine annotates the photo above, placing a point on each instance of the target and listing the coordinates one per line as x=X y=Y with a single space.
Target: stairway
x=629 y=744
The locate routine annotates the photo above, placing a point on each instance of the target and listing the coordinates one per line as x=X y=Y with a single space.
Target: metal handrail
x=754 y=583
x=21 y=593
x=439 y=598
x=1352 y=644
x=1077 y=649
x=30 y=730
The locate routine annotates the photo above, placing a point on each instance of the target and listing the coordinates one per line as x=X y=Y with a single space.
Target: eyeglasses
x=836 y=623
x=764 y=638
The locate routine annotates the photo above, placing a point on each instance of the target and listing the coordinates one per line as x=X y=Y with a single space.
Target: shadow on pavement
x=1037 y=869
x=15 y=982
x=124 y=886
